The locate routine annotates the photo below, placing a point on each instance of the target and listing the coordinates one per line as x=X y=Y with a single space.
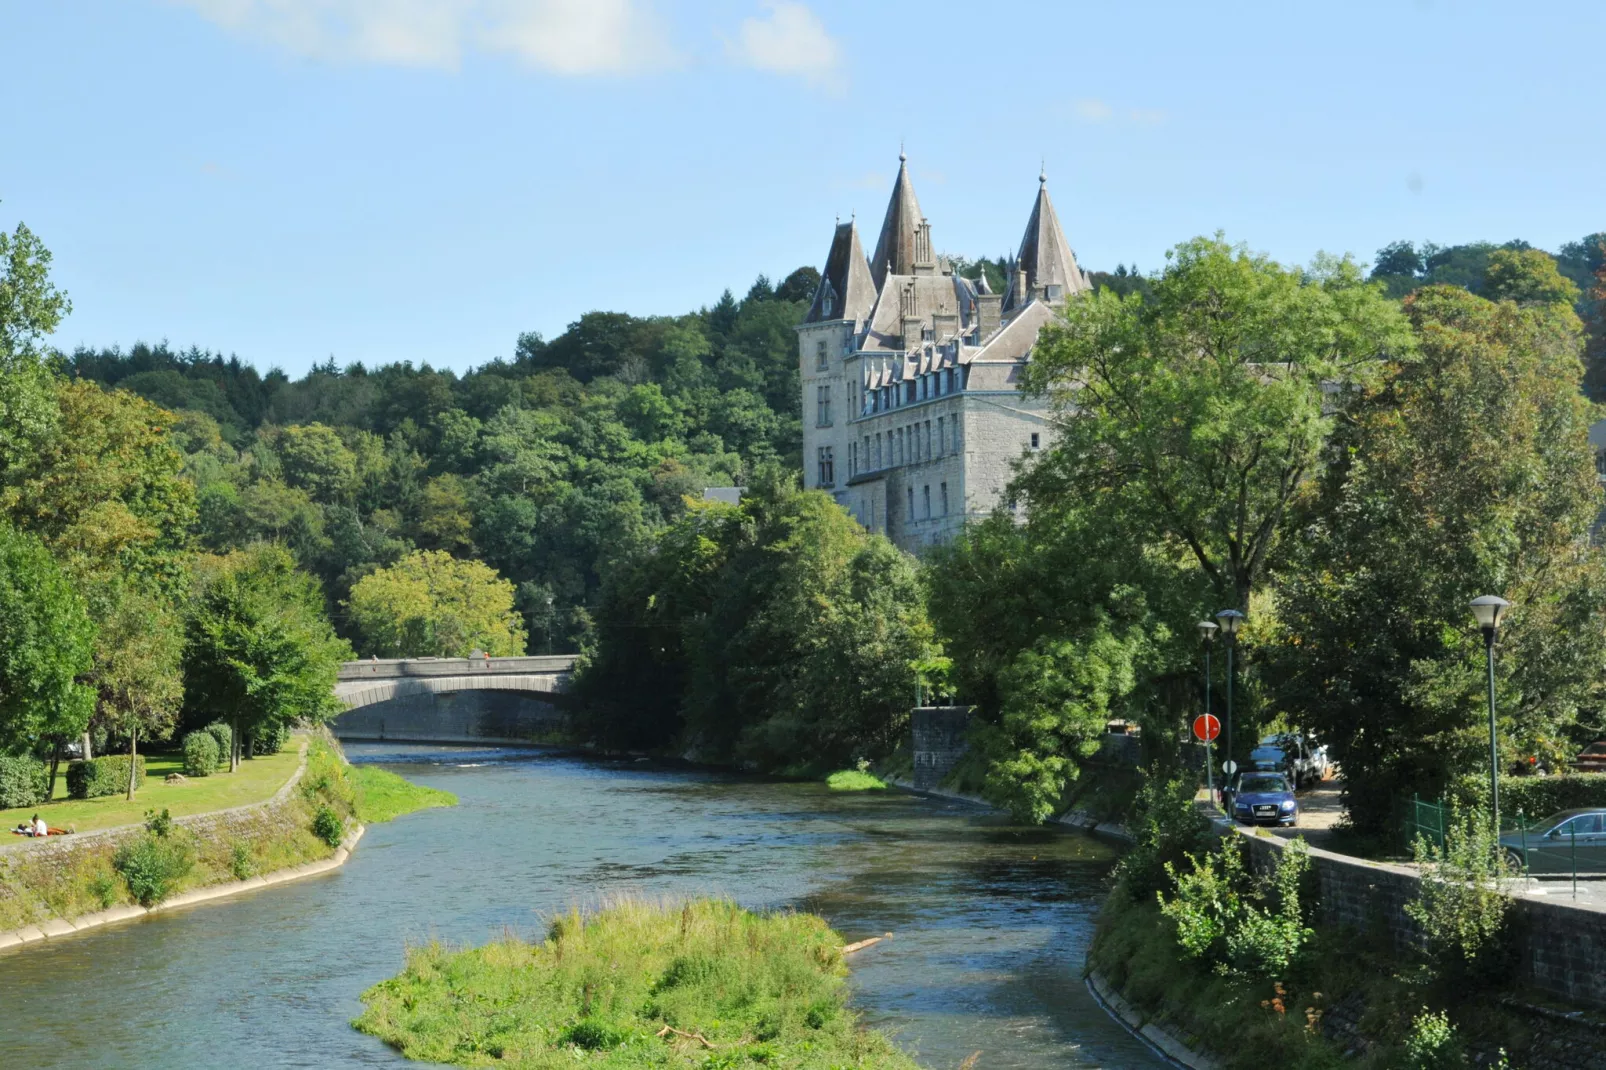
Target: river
x=990 y=922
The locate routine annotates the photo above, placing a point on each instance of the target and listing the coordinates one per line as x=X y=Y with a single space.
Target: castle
x=911 y=410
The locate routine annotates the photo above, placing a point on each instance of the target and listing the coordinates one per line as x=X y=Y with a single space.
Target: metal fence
x=1427 y=821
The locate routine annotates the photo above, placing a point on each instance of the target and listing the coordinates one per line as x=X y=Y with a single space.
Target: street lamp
x=1489 y=609
x=549 y=624
x=1207 y=636
x=1230 y=620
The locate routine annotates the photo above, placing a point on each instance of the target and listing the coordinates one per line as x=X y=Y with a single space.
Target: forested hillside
x=546 y=466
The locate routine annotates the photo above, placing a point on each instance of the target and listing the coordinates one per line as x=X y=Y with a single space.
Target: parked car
x=1300 y=759
x=1260 y=798
x=1559 y=843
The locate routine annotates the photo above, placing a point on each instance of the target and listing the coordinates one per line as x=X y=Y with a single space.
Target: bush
x=241 y=864
x=224 y=735
x=327 y=826
x=1433 y=1044
x=269 y=738
x=103 y=776
x=152 y=866
x=1540 y=796
x=1460 y=906
x=1167 y=829
x=1234 y=922
x=200 y=754
x=23 y=781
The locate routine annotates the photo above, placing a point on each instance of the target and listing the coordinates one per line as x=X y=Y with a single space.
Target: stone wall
x=1561 y=947
x=939 y=742
x=470 y=716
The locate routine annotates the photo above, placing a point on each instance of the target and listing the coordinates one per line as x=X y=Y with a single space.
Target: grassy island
x=384 y=796
x=637 y=984
x=855 y=780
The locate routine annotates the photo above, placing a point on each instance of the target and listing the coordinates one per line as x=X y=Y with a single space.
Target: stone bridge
x=454 y=700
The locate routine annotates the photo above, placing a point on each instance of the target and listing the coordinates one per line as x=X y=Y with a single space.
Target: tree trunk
x=234 y=747
x=55 y=763
x=89 y=745
x=133 y=756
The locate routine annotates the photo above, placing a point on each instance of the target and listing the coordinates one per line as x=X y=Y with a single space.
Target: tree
x=432 y=604
x=30 y=309
x=1201 y=407
x=258 y=648
x=318 y=462
x=137 y=673
x=1527 y=276
x=1464 y=471
x=46 y=639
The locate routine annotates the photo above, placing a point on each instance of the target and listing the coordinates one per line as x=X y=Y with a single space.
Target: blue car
x=1264 y=799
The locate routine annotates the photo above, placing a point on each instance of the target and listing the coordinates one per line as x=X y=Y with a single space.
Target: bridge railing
x=396 y=668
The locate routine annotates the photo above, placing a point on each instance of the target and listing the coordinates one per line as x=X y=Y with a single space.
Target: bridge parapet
x=402 y=668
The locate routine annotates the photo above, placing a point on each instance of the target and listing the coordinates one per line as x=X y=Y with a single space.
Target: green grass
x=756 y=989
x=256 y=781
x=384 y=796
x=853 y=780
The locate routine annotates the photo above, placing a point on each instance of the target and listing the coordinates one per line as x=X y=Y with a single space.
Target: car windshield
x=1263 y=783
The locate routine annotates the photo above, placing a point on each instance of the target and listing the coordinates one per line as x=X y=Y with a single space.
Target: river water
x=990 y=922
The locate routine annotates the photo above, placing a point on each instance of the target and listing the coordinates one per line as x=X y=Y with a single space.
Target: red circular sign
x=1206 y=727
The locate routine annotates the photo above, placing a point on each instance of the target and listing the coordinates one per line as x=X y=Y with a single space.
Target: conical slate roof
x=846 y=291
x=1045 y=254
x=896 y=246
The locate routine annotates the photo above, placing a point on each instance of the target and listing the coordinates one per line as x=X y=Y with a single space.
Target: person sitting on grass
x=39 y=826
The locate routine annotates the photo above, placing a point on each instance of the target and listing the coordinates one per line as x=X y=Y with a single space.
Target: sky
x=422 y=180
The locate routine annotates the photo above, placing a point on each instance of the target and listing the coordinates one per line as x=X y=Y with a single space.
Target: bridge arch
x=454 y=700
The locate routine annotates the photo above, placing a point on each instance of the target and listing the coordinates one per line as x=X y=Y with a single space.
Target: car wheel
x=1515 y=860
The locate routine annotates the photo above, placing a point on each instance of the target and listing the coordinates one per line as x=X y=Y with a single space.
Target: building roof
x=932 y=295
x=1045 y=255
x=846 y=291
x=896 y=246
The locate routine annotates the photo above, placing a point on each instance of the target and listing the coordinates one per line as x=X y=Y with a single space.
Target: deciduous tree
x=432 y=604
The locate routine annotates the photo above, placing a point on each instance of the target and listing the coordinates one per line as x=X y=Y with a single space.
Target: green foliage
x=30 y=309
x=1460 y=907
x=269 y=738
x=1433 y=1044
x=153 y=864
x=1233 y=921
x=327 y=826
x=755 y=988
x=1464 y=471
x=384 y=796
x=200 y=754
x=431 y=604
x=777 y=632
x=224 y=735
x=1166 y=828
x=45 y=646
x=159 y=823
x=854 y=780
x=242 y=865
x=1537 y=797
x=23 y=781
x=106 y=775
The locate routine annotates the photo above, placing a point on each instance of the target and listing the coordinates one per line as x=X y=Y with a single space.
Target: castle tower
x=1045 y=267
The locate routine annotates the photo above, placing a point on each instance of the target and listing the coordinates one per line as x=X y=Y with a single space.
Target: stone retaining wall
x=939 y=742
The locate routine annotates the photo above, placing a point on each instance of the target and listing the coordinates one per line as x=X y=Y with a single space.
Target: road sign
x=1229 y=767
x=1206 y=727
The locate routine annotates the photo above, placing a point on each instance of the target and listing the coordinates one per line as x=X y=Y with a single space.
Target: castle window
x=942 y=437
x=821 y=362
x=928 y=440
x=925 y=493
x=956 y=434
x=827 y=466
x=911 y=504
x=945 y=499
x=822 y=406
x=1034 y=440
x=878 y=462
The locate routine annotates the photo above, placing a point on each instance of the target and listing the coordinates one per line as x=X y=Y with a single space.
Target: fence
x=1571 y=847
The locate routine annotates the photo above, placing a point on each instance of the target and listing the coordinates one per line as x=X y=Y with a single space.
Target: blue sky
x=424 y=179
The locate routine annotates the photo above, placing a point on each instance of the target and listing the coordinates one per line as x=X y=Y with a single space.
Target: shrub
x=592 y=1035
x=159 y=823
x=327 y=826
x=1460 y=906
x=1540 y=796
x=1432 y=1043
x=241 y=864
x=224 y=735
x=152 y=866
x=103 y=886
x=200 y=754
x=23 y=781
x=103 y=776
x=1167 y=829
x=1234 y=922
x=269 y=738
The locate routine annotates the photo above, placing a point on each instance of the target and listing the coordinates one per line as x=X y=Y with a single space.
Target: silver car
x=1571 y=841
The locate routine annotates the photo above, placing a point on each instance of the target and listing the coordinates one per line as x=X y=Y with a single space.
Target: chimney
x=989 y=314
x=1021 y=296
x=925 y=260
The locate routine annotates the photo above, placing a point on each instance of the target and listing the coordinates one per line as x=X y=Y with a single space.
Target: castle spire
x=896 y=250
x=1049 y=267
x=846 y=291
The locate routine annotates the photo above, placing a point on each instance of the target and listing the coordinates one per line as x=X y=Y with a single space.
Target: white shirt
x=40 y=828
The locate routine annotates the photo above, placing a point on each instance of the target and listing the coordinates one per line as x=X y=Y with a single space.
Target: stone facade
x=912 y=414
x=939 y=742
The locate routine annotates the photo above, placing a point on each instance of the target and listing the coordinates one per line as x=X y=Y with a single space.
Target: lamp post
x=549 y=624
x=1230 y=620
x=1489 y=609
x=1207 y=636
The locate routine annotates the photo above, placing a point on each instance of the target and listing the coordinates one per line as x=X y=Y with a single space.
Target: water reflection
x=991 y=922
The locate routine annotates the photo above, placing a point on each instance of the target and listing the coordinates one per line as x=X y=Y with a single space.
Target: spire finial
x=1042 y=173
x=902 y=156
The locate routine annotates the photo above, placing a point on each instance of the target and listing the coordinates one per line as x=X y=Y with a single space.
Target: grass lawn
x=384 y=796
x=257 y=779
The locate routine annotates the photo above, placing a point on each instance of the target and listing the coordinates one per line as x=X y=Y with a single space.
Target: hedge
x=1540 y=796
x=225 y=739
x=103 y=776
x=200 y=754
x=269 y=738
x=23 y=781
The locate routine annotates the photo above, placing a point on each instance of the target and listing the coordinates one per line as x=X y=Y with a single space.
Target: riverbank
x=58 y=887
x=688 y=984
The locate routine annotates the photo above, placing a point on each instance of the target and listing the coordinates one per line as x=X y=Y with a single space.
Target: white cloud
x=1094 y=111
x=790 y=40
x=560 y=36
